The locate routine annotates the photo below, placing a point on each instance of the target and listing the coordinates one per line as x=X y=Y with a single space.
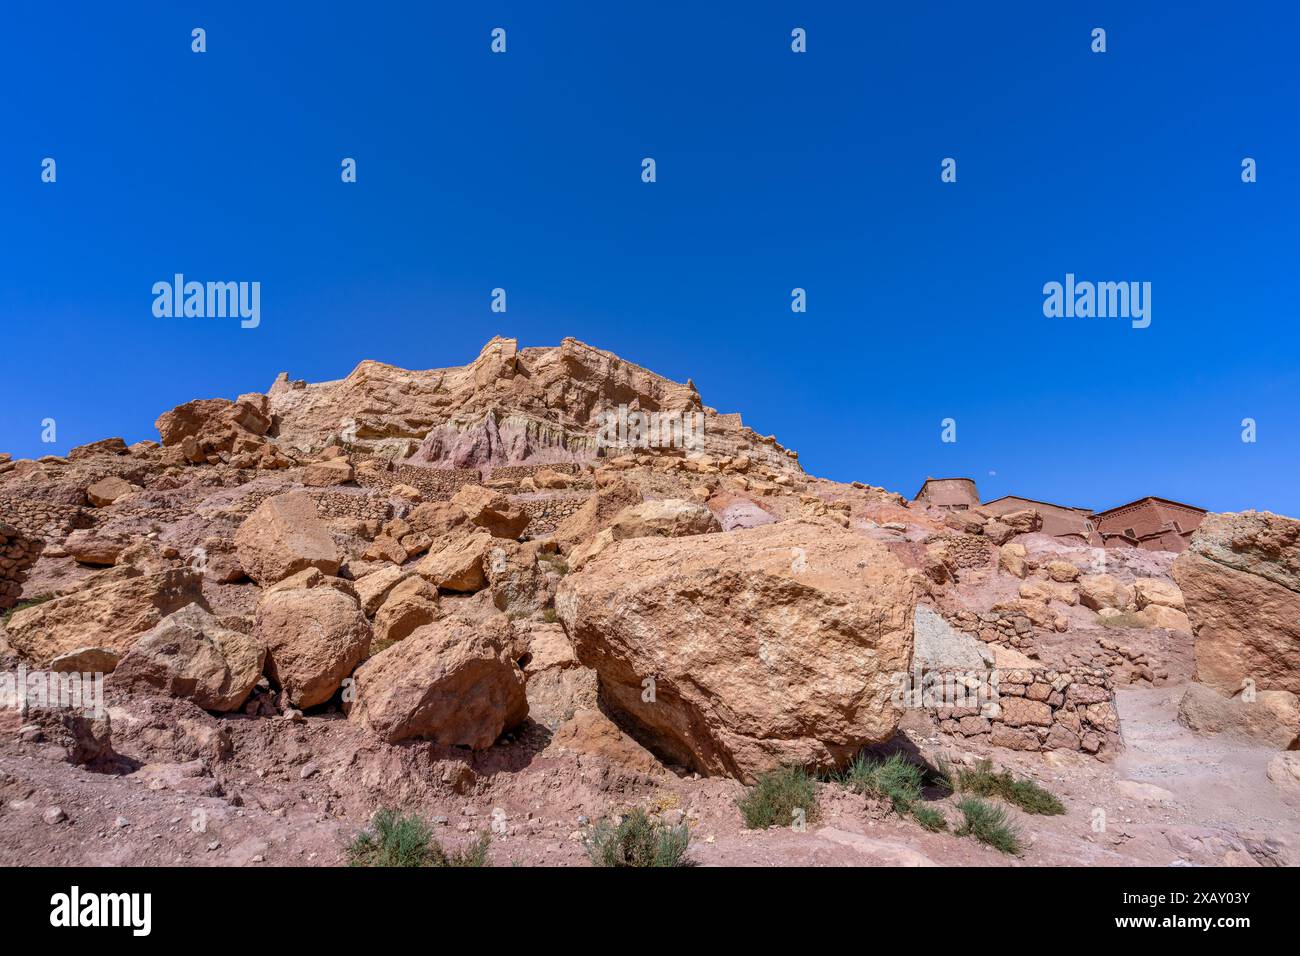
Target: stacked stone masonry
x=17 y=553
x=1039 y=709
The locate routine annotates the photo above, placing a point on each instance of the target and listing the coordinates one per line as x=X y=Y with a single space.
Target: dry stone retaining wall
x=17 y=553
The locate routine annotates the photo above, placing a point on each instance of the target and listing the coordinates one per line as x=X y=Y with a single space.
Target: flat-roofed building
x=1060 y=521
x=1156 y=524
x=953 y=494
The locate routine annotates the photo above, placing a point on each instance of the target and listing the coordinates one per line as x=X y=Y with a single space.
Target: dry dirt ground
x=190 y=789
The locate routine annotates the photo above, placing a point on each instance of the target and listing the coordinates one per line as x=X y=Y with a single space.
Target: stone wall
x=1040 y=709
x=518 y=472
x=1008 y=628
x=17 y=553
x=435 y=484
x=47 y=520
x=545 y=514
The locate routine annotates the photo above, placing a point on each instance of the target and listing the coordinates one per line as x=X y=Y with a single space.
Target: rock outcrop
x=314 y=638
x=1240 y=581
x=191 y=654
x=283 y=536
x=736 y=653
x=452 y=682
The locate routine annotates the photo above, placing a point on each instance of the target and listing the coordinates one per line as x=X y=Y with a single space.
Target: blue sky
x=775 y=170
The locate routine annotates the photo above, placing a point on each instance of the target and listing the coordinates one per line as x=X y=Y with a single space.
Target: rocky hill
x=530 y=595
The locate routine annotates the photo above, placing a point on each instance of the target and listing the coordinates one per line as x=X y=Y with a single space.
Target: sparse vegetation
x=988 y=824
x=637 y=841
x=983 y=781
x=407 y=840
x=898 y=780
x=549 y=616
x=772 y=801
x=930 y=818
x=24 y=605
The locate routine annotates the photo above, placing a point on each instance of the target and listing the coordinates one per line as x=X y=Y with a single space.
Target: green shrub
x=636 y=841
x=988 y=824
x=772 y=801
x=983 y=781
x=929 y=818
x=407 y=840
x=894 y=778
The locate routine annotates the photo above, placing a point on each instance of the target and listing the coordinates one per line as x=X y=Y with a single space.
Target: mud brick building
x=1156 y=524
x=953 y=494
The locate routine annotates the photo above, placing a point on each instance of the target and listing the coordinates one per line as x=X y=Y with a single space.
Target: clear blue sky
x=775 y=170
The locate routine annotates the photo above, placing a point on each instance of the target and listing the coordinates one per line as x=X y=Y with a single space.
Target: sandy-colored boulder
x=314 y=638
x=451 y=681
x=1240 y=580
x=491 y=510
x=1148 y=591
x=435 y=518
x=112 y=611
x=997 y=531
x=373 y=589
x=1011 y=559
x=596 y=513
x=1157 y=615
x=321 y=474
x=590 y=732
x=1025 y=521
x=1099 y=591
x=456 y=562
x=284 y=536
x=191 y=654
x=104 y=492
x=86 y=660
x=665 y=518
x=557 y=684
x=95 y=546
x=550 y=478
x=736 y=653
x=1062 y=572
x=1272 y=717
x=410 y=604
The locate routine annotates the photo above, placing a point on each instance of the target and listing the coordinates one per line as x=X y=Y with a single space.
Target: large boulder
x=491 y=510
x=283 y=536
x=106 y=491
x=314 y=638
x=663 y=518
x=1240 y=581
x=111 y=612
x=452 y=681
x=596 y=513
x=456 y=561
x=1271 y=717
x=740 y=652
x=1101 y=591
x=191 y=654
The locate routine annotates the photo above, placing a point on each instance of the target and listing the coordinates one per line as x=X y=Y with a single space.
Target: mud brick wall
x=18 y=552
x=1009 y=628
x=1041 y=709
x=545 y=514
x=47 y=520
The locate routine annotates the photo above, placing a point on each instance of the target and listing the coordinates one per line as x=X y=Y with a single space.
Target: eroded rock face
x=770 y=645
x=451 y=681
x=314 y=638
x=283 y=536
x=1271 y=717
x=111 y=612
x=1240 y=581
x=190 y=654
